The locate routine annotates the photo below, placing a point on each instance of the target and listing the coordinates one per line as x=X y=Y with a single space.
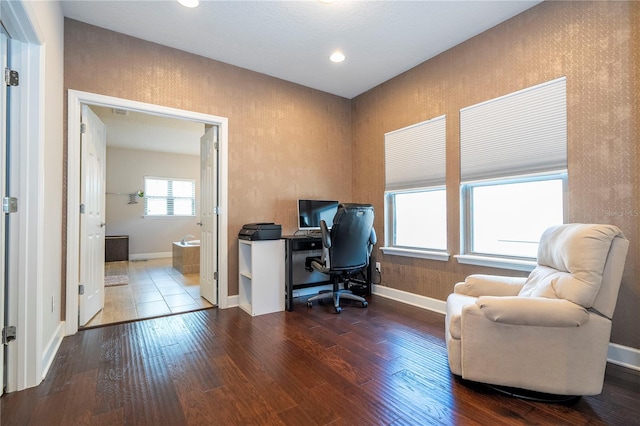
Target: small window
x=169 y=197
x=415 y=194
x=507 y=217
x=419 y=219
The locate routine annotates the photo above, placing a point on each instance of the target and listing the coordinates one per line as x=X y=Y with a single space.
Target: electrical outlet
x=378 y=267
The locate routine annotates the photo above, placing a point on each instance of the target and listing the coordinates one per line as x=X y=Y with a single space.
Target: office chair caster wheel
x=309 y=304
x=365 y=304
x=338 y=309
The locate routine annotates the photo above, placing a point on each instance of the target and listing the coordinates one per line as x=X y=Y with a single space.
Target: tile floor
x=154 y=289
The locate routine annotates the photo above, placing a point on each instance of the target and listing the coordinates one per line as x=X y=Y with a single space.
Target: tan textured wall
x=596 y=46
x=285 y=141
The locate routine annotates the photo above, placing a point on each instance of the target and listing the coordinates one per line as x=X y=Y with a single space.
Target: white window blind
x=520 y=133
x=169 y=196
x=415 y=156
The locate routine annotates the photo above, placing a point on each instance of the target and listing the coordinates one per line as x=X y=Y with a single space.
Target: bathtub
x=186 y=257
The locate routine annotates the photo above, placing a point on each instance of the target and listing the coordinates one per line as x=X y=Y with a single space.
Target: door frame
x=28 y=357
x=75 y=100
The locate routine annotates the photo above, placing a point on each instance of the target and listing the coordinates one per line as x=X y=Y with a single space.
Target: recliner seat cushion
x=571 y=259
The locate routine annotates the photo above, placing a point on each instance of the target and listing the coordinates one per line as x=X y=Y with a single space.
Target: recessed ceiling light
x=189 y=3
x=337 y=56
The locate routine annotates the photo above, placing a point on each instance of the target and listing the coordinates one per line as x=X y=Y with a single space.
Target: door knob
x=199 y=223
x=103 y=224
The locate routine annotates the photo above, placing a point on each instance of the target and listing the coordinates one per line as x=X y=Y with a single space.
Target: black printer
x=260 y=231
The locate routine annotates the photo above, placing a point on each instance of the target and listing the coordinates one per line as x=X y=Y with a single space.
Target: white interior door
x=208 y=216
x=92 y=224
x=3 y=192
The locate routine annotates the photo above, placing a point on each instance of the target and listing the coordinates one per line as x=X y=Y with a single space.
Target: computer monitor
x=311 y=212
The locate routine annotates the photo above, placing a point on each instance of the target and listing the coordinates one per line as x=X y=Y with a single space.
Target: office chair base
x=336 y=295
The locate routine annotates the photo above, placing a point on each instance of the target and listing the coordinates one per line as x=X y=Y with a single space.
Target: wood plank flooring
x=383 y=365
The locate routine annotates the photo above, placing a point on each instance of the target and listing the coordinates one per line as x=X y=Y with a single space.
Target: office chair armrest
x=372 y=241
x=326 y=235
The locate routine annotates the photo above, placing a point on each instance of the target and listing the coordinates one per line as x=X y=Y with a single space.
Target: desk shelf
x=261 y=276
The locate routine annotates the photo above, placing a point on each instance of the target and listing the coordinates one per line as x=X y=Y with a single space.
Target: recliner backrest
x=573 y=259
x=351 y=235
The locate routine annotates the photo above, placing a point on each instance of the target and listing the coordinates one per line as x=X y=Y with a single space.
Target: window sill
x=422 y=254
x=168 y=217
x=497 y=262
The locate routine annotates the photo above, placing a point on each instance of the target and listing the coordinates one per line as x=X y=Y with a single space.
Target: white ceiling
x=137 y=130
x=292 y=40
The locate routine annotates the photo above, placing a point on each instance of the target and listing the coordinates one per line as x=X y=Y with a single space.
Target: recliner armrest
x=490 y=285
x=533 y=311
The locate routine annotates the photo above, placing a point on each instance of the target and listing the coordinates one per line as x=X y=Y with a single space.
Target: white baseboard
x=311 y=290
x=146 y=256
x=620 y=355
x=51 y=349
x=233 y=301
x=412 y=299
x=624 y=356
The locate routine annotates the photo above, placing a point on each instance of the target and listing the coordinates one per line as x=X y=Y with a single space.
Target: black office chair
x=346 y=249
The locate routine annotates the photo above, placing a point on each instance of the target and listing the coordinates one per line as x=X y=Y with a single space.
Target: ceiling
x=292 y=40
x=138 y=130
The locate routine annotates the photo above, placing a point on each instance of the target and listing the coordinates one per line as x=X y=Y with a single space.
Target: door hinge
x=82 y=208
x=9 y=205
x=11 y=77
x=81 y=289
x=215 y=275
x=216 y=146
x=216 y=210
x=8 y=334
x=83 y=128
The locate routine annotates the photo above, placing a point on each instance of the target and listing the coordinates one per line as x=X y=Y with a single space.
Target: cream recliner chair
x=549 y=332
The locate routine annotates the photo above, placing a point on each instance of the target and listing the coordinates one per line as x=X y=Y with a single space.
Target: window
x=420 y=219
x=507 y=217
x=513 y=161
x=169 y=197
x=415 y=194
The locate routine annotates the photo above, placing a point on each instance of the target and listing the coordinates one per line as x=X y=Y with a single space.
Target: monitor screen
x=311 y=212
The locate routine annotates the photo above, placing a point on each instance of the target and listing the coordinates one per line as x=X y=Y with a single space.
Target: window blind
x=415 y=156
x=520 y=133
x=169 y=197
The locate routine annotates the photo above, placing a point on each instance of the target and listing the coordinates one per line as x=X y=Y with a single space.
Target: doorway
x=154 y=199
x=76 y=100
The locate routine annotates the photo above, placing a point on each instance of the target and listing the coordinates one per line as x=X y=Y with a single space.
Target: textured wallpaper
x=595 y=45
x=286 y=141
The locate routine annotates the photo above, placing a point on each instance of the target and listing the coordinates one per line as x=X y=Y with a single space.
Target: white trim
x=51 y=350
x=75 y=100
x=434 y=305
x=421 y=254
x=623 y=356
x=497 y=262
x=308 y=291
x=233 y=301
x=145 y=256
x=17 y=20
x=25 y=269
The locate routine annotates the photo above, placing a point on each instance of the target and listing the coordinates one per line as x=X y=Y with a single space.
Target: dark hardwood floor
x=383 y=365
